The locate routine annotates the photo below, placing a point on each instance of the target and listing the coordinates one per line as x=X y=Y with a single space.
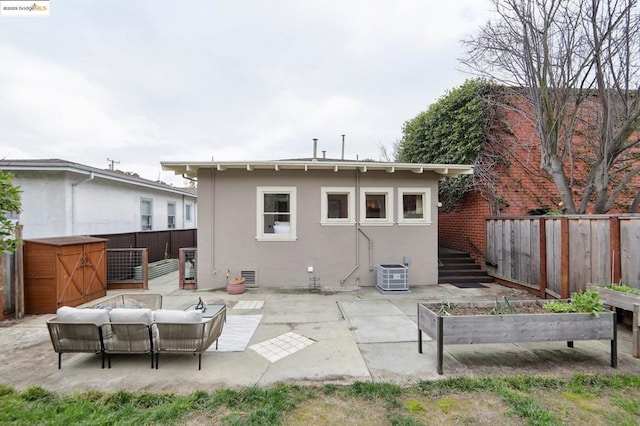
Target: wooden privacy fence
x=159 y=244
x=559 y=255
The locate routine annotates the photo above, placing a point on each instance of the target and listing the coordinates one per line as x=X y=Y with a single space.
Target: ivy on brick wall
x=451 y=131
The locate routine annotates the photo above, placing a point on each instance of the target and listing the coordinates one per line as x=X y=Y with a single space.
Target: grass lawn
x=583 y=399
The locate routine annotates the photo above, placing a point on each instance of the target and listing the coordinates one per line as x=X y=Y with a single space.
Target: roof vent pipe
x=315 y=148
x=342 y=147
x=324 y=155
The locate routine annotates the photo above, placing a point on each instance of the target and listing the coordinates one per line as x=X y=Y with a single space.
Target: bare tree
x=577 y=64
x=385 y=155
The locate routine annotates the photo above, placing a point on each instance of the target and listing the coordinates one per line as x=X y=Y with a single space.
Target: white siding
x=63 y=203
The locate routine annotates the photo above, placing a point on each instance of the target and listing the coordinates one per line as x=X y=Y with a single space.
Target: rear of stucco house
x=275 y=220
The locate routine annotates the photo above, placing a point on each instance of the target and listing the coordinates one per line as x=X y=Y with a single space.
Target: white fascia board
x=191 y=168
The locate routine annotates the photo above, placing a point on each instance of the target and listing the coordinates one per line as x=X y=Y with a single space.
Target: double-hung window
x=146 y=214
x=414 y=206
x=337 y=205
x=376 y=206
x=276 y=213
x=171 y=215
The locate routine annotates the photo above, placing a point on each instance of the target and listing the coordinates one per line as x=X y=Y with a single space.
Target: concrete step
x=464 y=279
x=462 y=272
x=456 y=260
x=460 y=268
x=457 y=266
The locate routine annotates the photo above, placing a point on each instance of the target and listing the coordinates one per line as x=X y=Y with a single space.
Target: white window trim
x=388 y=192
x=260 y=191
x=351 y=206
x=426 y=207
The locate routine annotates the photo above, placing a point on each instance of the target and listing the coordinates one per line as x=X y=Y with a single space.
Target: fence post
x=614 y=249
x=145 y=269
x=19 y=278
x=564 y=258
x=181 y=273
x=543 y=258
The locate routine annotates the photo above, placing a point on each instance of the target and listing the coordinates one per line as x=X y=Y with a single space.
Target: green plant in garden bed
x=584 y=301
x=624 y=288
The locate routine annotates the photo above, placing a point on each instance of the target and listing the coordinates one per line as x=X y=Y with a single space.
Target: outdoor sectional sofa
x=124 y=328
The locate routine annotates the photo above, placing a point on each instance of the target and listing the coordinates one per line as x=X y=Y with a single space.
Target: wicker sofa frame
x=113 y=337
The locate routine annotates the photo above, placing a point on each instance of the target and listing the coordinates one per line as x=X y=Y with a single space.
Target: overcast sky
x=142 y=82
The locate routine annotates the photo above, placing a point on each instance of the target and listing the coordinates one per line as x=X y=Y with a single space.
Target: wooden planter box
x=513 y=328
x=628 y=302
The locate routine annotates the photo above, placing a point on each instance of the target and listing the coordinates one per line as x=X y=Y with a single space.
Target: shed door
x=70 y=273
x=94 y=269
x=81 y=273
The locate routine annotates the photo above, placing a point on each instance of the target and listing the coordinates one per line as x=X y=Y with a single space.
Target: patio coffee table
x=210 y=311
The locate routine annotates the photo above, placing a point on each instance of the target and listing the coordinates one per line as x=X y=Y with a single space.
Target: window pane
x=187 y=212
x=146 y=223
x=145 y=207
x=376 y=206
x=412 y=206
x=277 y=214
x=337 y=206
x=276 y=203
x=171 y=209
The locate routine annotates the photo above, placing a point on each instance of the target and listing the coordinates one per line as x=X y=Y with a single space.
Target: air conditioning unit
x=393 y=277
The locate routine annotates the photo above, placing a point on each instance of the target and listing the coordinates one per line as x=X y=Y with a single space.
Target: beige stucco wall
x=227 y=231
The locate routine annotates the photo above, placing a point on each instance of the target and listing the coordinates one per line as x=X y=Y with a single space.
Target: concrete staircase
x=459 y=267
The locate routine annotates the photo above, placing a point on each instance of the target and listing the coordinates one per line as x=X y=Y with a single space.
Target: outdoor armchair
x=72 y=332
x=185 y=332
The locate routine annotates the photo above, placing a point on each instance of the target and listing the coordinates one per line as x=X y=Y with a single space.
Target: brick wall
x=522 y=186
x=463 y=228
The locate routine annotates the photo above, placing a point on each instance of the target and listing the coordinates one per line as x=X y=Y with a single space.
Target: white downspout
x=73 y=201
x=357 y=229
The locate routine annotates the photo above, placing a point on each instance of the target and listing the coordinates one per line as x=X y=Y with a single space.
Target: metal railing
x=127 y=268
x=188 y=270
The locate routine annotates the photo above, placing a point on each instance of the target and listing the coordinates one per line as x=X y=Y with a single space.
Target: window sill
x=276 y=239
x=376 y=223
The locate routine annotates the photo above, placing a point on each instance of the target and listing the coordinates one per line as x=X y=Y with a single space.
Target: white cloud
x=230 y=80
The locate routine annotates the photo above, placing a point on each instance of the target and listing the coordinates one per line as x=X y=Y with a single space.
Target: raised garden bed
x=452 y=329
x=158 y=268
x=628 y=302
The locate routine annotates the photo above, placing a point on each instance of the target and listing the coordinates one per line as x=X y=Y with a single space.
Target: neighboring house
x=273 y=221
x=61 y=198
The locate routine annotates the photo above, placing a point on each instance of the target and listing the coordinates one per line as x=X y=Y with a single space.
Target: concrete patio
x=343 y=337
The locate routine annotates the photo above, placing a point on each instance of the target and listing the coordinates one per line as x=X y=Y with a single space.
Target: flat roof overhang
x=189 y=169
